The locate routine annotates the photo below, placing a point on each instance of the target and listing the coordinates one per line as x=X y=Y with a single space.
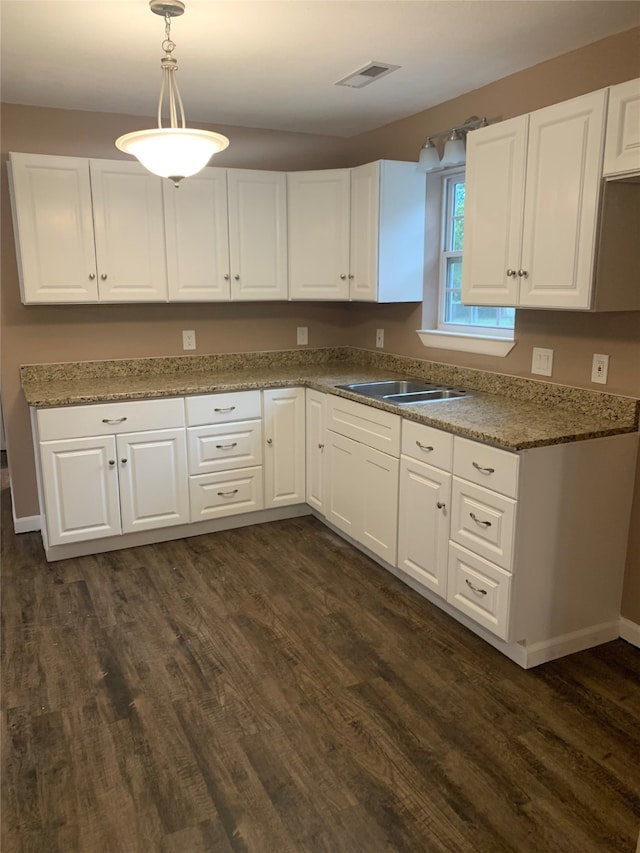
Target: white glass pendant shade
x=173 y=152
x=429 y=158
x=454 y=152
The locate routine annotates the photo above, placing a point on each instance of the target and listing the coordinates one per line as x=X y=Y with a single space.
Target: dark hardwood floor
x=271 y=689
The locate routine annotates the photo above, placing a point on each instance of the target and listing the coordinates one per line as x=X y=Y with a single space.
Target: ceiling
x=273 y=64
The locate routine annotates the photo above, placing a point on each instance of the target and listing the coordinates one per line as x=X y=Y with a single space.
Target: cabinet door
x=365 y=225
x=197 y=237
x=378 y=494
x=258 y=234
x=129 y=232
x=284 y=451
x=80 y=487
x=53 y=223
x=319 y=215
x=316 y=423
x=622 y=146
x=153 y=479
x=564 y=168
x=343 y=486
x=493 y=213
x=423 y=523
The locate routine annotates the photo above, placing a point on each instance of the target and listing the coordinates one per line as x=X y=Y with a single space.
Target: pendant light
x=177 y=151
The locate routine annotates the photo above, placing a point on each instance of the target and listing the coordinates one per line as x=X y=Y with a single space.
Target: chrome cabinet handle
x=226 y=446
x=351 y=275
x=523 y=273
x=112 y=462
x=228 y=494
x=475 y=588
x=440 y=505
x=321 y=446
x=479 y=521
x=269 y=441
x=228 y=409
x=511 y=272
x=484 y=470
x=237 y=277
x=426 y=447
x=226 y=276
x=342 y=276
x=104 y=276
x=113 y=420
x=92 y=275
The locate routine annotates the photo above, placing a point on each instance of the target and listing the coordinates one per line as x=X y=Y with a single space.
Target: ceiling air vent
x=367 y=74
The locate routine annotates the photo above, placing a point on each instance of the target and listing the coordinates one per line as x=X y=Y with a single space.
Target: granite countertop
x=512 y=421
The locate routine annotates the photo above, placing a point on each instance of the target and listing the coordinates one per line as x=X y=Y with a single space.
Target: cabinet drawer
x=480 y=590
x=487 y=466
x=483 y=521
x=222 y=447
x=109 y=418
x=427 y=444
x=218 y=408
x=225 y=493
x=370 y=426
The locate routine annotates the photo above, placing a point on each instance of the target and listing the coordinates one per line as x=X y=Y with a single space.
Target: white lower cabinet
x=316 y=429
x=99 y=479
x=284 y=446
x=362 y=481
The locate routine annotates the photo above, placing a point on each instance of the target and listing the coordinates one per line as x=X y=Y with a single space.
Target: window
x=453 y=316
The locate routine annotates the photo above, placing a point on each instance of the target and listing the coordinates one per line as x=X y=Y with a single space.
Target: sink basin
x=405 y=392
x=387 y=387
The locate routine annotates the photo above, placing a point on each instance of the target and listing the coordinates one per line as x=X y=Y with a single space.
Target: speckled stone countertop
x=505 y=411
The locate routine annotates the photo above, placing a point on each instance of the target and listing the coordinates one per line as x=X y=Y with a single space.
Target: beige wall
x=40 y=333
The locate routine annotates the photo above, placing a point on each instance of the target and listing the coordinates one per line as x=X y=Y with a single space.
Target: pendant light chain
x=169 y=66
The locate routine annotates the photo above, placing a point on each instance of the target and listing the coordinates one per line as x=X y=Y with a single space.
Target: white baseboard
x=630 y=631
x=27 y=523
x=568 y=644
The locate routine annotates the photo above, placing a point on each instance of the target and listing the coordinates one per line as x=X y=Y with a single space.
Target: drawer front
x=487 y=466
x=225 y=493
x=223 y=447
x=483 y=521
x=480 y=590
x=370 y=426
x=221 y=408
x=427 y=444
x=109 y=418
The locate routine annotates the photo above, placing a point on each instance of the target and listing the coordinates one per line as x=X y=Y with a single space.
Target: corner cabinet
x=622 y=146
x=74 y=220
x=284 y=446
x=357 y=234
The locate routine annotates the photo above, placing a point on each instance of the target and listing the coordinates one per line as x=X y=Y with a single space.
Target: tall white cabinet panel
x=284 y=451
x=197 y=238
x=364 y=232
x=622 y=146
x=129 y=232
x=342 y=506
x=319 y=223
x=53 y=224
x=564 y=165
x=257 y=234
x=80 y=487
x=379 y=498
x=153 y=479
x=316 y=429
x=493 y=212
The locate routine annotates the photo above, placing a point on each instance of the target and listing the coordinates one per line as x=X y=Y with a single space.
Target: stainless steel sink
x=405 y=392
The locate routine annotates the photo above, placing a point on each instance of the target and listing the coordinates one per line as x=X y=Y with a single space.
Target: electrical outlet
x=189 y=340
x=380 y=338
x=600 y=368
x=302 y=336
x=542 y=361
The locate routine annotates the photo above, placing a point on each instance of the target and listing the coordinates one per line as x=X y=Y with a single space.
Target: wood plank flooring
x=271 y=689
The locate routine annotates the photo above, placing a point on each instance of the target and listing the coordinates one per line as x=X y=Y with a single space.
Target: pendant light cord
x=169 y=66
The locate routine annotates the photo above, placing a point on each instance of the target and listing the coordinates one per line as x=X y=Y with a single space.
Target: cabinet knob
x=321 y=446
x=124 y=461
x=440 y=505
x=227 y=276
x=237 y=277
x=269 y=441
x=92 y=275
x=342 y=276
x=511 y=272
x=523 y=273
x=351 y=275
x=104 y=276
x=112 y=462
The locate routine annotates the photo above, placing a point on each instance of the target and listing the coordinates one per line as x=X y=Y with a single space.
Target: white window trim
x=463 y=338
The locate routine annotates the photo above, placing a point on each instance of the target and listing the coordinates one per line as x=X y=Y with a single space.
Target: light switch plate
x=379 y=338
x=542 y=361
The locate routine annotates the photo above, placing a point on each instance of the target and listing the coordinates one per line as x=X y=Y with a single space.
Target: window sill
x=483 y=344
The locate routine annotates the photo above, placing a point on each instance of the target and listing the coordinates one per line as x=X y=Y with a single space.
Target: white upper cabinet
x=622 y=146
x=357 y=233
x=319 y=216
x=257 y=234
x=53 y=224
x=542 y=171
x=128 y=219
x=197 y=237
